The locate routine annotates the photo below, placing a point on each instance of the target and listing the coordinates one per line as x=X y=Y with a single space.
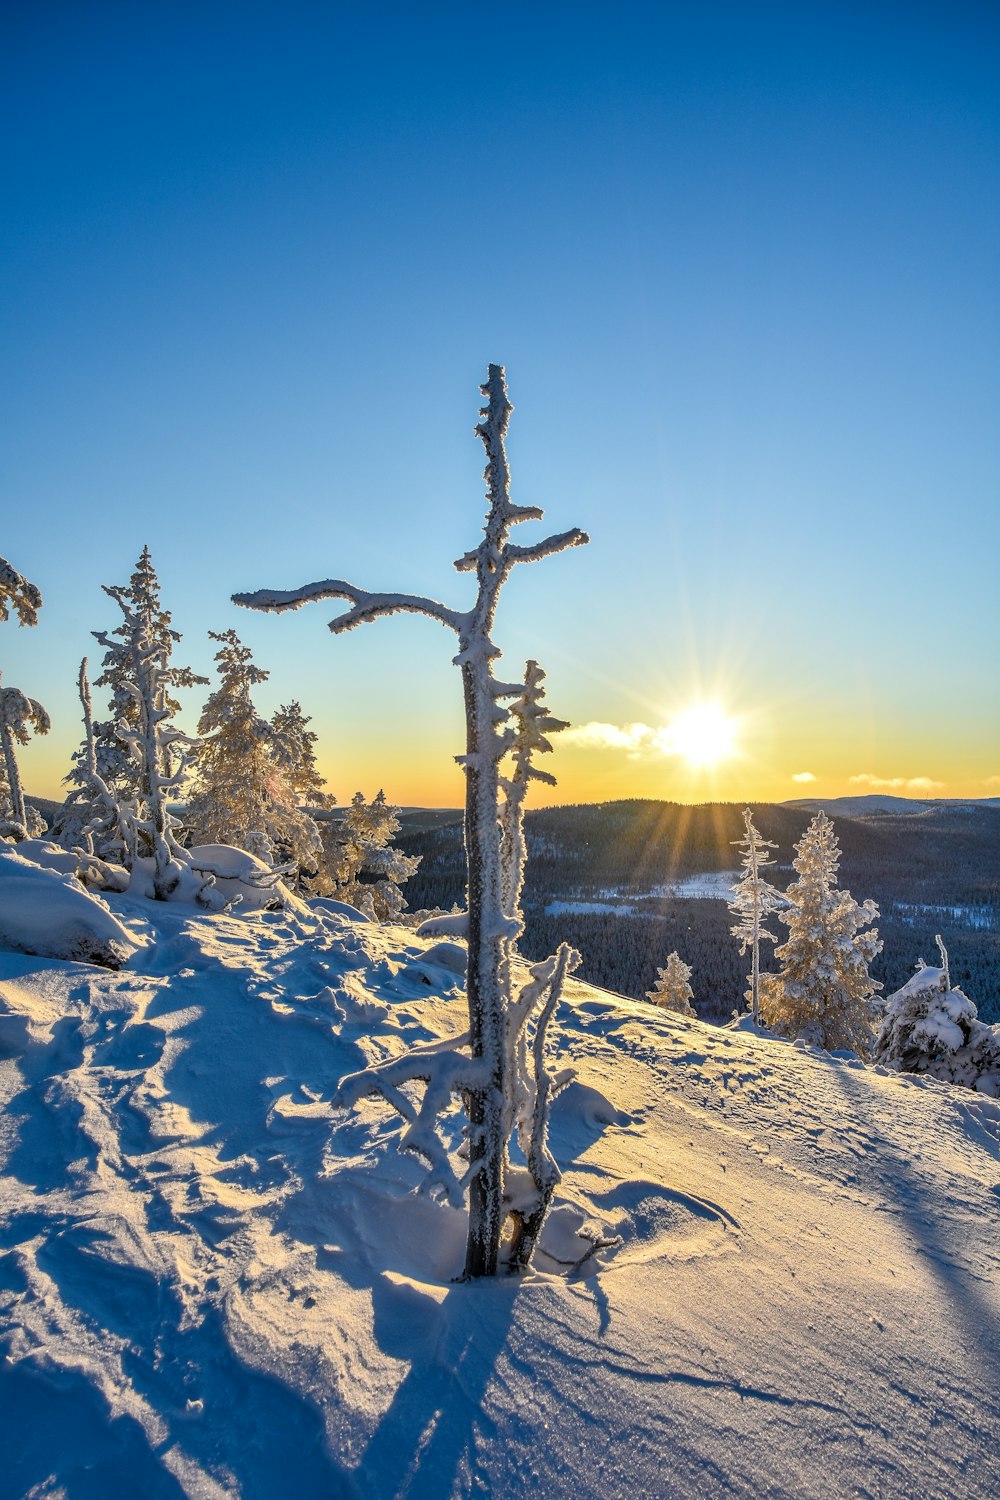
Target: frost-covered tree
x=20 y=716
x=160 y=751
x=359 y=864
x=293 y=746
x=753 y=902
x=116 y=764
x=18 y=594
x=532 y=723
x=242 y=795
x=823 y=991
x=930 y=1027
x=91 y=818
x=672 y=990
x=491 y=1081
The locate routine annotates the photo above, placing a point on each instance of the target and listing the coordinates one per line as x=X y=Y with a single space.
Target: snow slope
x=212 y=1284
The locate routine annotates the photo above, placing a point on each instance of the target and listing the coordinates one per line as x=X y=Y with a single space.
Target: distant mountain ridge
x=881 y=802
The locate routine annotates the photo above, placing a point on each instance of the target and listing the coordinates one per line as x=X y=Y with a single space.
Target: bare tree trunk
x=484 y=986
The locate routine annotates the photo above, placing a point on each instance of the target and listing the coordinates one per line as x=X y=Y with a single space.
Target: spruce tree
x=359 y=864
x=20 y=716
x=672 y=990
x=243 y=794
x=753 y=901
x=293 y=748
x=823 y=991
x=930 y=1026
x=91 y=819
x=115 y=763
x=18 y=594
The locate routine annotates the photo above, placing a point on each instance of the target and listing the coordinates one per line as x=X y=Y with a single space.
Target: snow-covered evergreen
x=243 y=796
x=931 y=1027
x=18 y=594
x=823 y=991
x=293 y=745
x=91 y=819
x=20 y=717
x=753 y=902
x=532 y=723
x=672 y=990
x=115 y=762
x=160 y=752
x=487 y=1082
x=359 y=864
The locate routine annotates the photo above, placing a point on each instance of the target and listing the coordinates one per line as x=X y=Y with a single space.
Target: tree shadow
x=924 y=1216
x=430 y=1432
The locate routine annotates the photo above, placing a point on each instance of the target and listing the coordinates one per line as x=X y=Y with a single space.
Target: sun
x=703 y=735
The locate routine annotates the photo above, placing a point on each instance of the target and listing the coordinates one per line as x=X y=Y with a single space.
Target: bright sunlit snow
x=217 y=1285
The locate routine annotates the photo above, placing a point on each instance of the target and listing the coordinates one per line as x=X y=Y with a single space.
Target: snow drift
x=215 y=1284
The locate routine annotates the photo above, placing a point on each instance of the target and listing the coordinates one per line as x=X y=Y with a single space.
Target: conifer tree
x=160 y=752
x=18 y=713
x=20 y=716
x=672 y=990
x=242 y=795
x=753 y=902
x=359 y=864
x=91 y=818
x=293 y=748
x=18 y=594
x=823 y=991
x=930 y=1027
x=492 y=1077
x=115 y=762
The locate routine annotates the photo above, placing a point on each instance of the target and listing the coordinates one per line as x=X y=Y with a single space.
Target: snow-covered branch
x=16 y=592
x=366 y=606
x=446 y=1073
x=548 y=548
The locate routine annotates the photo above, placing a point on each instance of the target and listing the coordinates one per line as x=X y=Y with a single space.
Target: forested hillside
x=628 y=868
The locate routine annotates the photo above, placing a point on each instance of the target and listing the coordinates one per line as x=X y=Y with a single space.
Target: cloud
x=634 y=739
x=803 y=776
x=992 y=781
x=921 y=785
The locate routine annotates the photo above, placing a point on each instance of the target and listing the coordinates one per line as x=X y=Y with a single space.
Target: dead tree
x=483 y=1081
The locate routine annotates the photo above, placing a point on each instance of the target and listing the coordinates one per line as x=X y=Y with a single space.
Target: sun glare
x=703 y=735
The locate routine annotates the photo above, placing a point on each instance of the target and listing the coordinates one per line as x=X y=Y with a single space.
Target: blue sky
x=740 y=263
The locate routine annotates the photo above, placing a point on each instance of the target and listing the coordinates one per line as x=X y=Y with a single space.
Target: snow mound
x=50 y=914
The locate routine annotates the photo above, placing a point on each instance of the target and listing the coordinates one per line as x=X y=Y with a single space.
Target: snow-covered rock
x=45 y=912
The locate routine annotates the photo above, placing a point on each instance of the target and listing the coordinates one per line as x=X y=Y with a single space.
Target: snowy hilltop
x=766 y=1270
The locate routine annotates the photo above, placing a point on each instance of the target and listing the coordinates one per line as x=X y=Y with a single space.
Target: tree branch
x=366 y=606
x=551 y=544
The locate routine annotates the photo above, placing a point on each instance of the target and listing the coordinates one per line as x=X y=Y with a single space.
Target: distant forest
x=932 y=870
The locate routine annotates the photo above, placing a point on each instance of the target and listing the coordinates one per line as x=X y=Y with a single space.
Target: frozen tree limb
x=446 y=1073
x=367 y=606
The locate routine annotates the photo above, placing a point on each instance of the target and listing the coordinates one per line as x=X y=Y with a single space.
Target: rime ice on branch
x=487 y=1082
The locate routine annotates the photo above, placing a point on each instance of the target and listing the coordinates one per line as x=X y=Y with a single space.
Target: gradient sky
x=740 y=262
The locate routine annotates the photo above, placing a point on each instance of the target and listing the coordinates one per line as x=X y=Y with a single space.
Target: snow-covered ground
x=213 y=1284
x=711 y=886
